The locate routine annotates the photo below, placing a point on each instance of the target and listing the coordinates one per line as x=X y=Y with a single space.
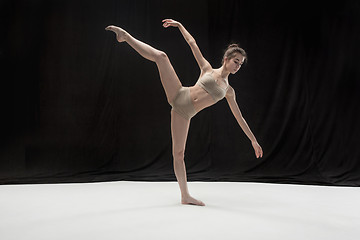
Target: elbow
x=191 y=41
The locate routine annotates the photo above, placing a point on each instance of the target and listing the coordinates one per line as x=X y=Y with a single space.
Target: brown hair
x=231 y=50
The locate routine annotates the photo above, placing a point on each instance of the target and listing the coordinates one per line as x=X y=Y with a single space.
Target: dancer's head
x=233 y=58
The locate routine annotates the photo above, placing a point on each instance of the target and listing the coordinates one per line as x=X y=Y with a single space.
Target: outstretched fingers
x=258 y=150
x=259 y=153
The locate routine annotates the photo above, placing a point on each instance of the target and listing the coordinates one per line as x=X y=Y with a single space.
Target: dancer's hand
x=257 y=148
x=170 y=22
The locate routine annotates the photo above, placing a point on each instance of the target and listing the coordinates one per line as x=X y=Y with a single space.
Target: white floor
x=152 y=210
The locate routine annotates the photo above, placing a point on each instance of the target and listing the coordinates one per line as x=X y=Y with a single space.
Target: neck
x=223 y=72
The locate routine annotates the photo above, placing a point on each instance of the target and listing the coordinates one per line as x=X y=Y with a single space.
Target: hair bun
x=233 y=45
x=231 y=51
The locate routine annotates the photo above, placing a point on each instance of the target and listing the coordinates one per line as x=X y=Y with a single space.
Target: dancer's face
x=234 y=64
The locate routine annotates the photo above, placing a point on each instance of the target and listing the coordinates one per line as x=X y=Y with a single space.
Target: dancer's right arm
x=204 y=65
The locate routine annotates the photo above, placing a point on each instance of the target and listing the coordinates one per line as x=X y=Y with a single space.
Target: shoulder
x=230 y=93
x=206 y=70
x=206 y=67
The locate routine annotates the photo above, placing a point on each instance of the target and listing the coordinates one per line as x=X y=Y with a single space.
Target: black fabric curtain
x=77 y=106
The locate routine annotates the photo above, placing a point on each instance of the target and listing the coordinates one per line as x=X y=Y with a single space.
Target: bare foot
x=192 y=201
x=121 y=34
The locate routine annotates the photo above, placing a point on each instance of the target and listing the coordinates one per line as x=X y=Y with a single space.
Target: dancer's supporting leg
x=179 y=132
x=171 y=85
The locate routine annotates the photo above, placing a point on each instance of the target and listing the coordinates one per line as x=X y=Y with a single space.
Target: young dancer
x=212 y=86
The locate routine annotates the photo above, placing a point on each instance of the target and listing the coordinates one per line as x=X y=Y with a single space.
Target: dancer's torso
x=201 y=98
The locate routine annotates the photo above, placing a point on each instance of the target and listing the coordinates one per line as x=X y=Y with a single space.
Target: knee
x=179 y=154
x=160 y=55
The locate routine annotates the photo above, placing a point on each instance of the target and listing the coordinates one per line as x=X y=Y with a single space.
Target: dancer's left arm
x=231 y=99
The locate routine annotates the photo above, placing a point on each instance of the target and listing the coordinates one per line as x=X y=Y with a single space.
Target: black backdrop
x=78 y=107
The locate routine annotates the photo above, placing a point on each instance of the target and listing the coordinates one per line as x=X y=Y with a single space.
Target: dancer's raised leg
x=168 y=76
x=179 y=132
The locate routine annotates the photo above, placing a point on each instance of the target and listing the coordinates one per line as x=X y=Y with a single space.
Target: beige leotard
x=182 y=103
x=208 y=83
